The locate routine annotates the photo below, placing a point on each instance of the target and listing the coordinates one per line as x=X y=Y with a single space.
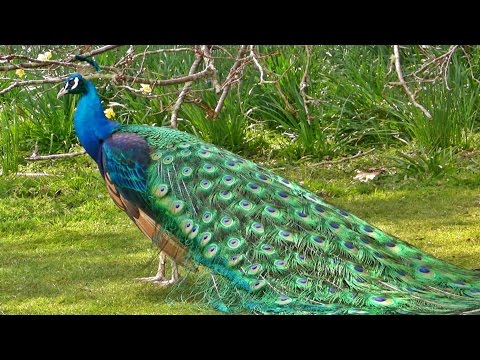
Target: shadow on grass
x=78 y=266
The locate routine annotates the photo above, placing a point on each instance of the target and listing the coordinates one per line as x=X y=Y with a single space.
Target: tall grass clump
x=227 y=130
x=454 y=111
x=355 y=79
x=282 y=108
x=9 y=139
x=48 y=121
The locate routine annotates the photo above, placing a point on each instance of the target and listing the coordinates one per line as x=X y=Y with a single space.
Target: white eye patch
x=75 y=83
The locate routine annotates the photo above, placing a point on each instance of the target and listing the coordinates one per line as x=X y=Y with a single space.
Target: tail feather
x=273 y=247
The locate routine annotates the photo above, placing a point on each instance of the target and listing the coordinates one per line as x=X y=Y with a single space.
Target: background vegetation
x=303 y=111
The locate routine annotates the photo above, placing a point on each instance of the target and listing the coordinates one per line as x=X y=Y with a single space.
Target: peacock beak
x=62 y=92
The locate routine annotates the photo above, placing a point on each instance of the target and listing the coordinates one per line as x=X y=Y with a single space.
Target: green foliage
x=48 y=121
x=433 y=163
x=9 y=139
x=227 y=130
x=351 y=104
x=454 y=112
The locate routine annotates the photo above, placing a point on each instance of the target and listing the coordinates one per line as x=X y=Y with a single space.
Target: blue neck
x=91 y=124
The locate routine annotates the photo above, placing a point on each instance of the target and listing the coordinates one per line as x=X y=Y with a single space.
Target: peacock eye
x=70 y=83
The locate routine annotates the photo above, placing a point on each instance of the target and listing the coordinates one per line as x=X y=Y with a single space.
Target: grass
x=66 y=249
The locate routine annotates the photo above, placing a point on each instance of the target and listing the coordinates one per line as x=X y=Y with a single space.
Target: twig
x=31 y=82
x=186 y=87
x=398 y=67
x=32 y=174
x=34 y=63
x=126 y=58
x=451 y=51
x=223 y=49
x=132 y=56
x=259 y=67
x=303 y=83
x=289 y=106
x=55 y=156
x=97 y=51
x=430 y=62
x=141 y=65
x=209 y=62
x=228 y=80
x=116 y=77
x=348 y=158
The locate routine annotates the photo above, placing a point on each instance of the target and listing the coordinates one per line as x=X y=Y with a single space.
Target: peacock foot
x=160 y=279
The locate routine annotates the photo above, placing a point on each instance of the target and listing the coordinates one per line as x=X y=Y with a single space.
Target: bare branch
x=259 y=67
x=398 y=67
x=141 y=65
x=35 y=63
x=31 y=82
x=118 y=77
x=231 y=76
x=224 y=50
x=55 y=156
x=130 y=56
x=434 y=60
x=159 y=51
x=209 y=62
x=348 y=158
x=32 y=174
x=97 y=51
x=186 y=87
x=303 y=83
x=447 y=63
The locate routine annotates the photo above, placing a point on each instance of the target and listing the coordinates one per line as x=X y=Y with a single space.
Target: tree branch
x=55 y=156
x=348 y=158
x=186 y=87
x=34 y=63
x=303 y=83
x=450 y=52
x=402 y=82
x=259 y=67
x=118 y=77
x=209 y=62
x=228 y=81
x=31 y=82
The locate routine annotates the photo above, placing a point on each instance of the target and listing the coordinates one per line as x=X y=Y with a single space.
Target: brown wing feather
x=147 y=225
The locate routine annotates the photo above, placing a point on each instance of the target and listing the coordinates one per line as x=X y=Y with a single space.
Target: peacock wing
x=124 y=167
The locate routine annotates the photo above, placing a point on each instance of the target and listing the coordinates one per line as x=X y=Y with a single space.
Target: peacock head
x=74 y=84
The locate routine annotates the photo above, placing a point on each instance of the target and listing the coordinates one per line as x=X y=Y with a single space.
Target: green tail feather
x=274 y=247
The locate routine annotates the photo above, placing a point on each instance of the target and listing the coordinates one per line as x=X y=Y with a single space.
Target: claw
x=160 y=279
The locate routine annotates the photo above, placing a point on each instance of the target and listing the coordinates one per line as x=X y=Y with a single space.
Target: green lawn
x=66 y=249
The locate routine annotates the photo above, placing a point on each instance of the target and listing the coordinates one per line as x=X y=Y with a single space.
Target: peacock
x=269 y=245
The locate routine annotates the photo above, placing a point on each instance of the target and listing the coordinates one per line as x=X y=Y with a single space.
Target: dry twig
x=303 y=83
x=231 y=76
x=402 y=82
x=35 y=63
x=207 y=56
x=348 y=158
x=55 y=156
x=259 y=67
x=186 y=87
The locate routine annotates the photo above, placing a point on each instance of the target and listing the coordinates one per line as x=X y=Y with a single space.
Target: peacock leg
x=159 y=278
